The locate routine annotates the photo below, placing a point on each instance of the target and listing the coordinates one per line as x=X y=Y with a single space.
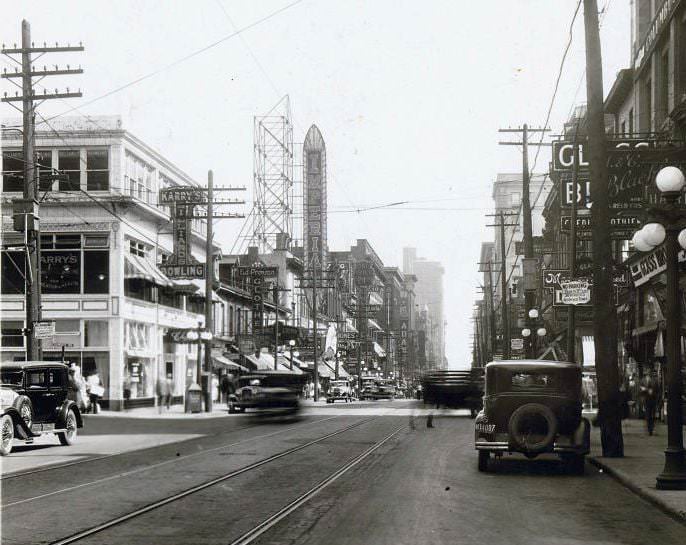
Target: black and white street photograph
x=343 y=272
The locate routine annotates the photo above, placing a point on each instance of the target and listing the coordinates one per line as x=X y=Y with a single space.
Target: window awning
x=323 y=370
x=372 y=323
x=350 y=327
x=266 y=363
x=195 y=286
x=342 y=373
x=375 y=298
x=379 y=351
x=296 y=361
x=221 y=361
x=139 y=267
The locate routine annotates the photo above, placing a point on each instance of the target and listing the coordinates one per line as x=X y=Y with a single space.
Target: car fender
x=20 y=426
x=61 y=420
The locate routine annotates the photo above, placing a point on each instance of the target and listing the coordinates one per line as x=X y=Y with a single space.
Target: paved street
x=420 y=485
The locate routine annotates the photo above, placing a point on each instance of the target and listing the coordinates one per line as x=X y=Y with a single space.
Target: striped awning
x=138 y=267
x=374 y=325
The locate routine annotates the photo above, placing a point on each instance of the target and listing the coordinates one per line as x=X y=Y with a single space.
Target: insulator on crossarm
x=56 y=91
x=67 y=67
x=45 y=91
x=33 y=45
x=67 y=89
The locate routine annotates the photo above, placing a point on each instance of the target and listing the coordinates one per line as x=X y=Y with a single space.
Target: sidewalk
x=643 y=461
x=176 y=411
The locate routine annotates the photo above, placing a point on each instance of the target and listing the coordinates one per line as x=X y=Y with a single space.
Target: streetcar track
x=264 y=526
x=159 y=464
x=180 y=495
x=14 y=475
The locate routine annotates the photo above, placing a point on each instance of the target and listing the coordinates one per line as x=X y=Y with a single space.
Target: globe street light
x=526 y=332
x=667 y=225
x=533 y=314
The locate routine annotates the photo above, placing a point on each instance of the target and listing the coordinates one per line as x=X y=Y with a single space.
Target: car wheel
x=7 y=430
x=68 y=436
x=25 y=409
x=484 y=457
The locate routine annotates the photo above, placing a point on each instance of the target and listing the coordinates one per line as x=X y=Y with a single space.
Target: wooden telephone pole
x=529 y=264
x=604 y=314
x=28 y=207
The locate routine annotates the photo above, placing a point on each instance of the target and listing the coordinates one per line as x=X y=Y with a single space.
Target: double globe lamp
x=526 y=332
x=667 y=226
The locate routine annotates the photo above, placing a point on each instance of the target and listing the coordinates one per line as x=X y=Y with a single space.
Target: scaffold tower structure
x=273 y=185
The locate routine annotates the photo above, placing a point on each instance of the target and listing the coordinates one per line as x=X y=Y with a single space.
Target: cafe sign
x=575 y=292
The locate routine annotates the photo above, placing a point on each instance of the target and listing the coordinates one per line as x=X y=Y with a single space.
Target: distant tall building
x=429 y=295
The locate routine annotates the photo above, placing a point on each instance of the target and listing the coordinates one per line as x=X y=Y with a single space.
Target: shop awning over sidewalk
x=379 y=351
x=266 y=363
x=342 y=373
x=222 y=361
x=374 y=325
x=139 y=267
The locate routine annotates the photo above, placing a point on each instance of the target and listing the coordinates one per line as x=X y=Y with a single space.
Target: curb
x=624 y=480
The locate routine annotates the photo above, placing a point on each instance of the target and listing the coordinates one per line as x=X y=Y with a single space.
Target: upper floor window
x=97 y=170
x=141 y=182
x=69 y=165
x=137 y=248
x=12 y=171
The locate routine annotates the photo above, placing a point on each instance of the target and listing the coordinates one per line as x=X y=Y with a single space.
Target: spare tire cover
x=532 y=428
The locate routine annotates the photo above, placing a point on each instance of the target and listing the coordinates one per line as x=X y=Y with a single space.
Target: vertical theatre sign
x=314 y=155
x=182 y=200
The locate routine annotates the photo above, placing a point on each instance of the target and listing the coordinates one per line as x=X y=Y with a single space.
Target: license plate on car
x=485 y=428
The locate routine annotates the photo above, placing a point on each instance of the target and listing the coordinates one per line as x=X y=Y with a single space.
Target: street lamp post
x=670 y=229
x=291 y=345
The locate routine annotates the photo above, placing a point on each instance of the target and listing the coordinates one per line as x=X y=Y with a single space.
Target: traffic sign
x=517 y=344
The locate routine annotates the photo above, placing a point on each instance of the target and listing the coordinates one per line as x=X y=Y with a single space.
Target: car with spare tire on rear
x=532 y=407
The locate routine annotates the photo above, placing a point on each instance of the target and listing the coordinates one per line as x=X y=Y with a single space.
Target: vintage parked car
x=267 y=390
x=340 y=389
x=33 y=397
x=533 y=407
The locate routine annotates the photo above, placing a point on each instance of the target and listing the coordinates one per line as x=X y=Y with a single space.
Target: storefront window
x=95 y=333
x=62 y=261
x=11 y=333
x=96 y=267
x=61 y=271
x=13 y=267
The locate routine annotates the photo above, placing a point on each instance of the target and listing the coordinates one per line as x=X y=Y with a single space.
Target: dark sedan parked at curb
x=34 y=401
x=533 y=407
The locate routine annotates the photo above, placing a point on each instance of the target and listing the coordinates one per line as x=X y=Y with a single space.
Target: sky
x=408 y=96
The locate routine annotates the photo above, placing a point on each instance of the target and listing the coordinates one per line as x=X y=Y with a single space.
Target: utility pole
x=315 y=372
x=28 y=207
x=529 y=262
x=503 y=278
x=571 y=309
x=276 y=324
x=209 y=290
x=604 y=315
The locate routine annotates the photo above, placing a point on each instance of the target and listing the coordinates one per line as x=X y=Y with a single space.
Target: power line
x=545 y=126
x=181 y=60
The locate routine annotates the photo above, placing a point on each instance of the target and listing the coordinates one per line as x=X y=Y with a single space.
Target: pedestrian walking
x=127 y=391
x=95 y=392
x=165 y=387
x=650 y=395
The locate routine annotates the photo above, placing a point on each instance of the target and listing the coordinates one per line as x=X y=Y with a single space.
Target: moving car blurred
x=267 y=390
x=456 y=389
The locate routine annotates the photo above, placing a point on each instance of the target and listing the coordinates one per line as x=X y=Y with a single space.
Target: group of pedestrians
x=85 y=392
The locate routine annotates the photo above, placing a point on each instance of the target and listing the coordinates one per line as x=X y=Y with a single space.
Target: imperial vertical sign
x=314 y=156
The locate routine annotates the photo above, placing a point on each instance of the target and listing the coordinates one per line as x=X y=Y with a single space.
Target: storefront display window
x=96 y=333
x=11 y=333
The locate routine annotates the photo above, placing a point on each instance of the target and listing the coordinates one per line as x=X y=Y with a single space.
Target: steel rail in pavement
x=264 y=526
x=180 y=495
x=14 y=475
x=159 y=464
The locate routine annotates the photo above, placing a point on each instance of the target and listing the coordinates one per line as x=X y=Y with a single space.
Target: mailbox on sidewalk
x=194 y=399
